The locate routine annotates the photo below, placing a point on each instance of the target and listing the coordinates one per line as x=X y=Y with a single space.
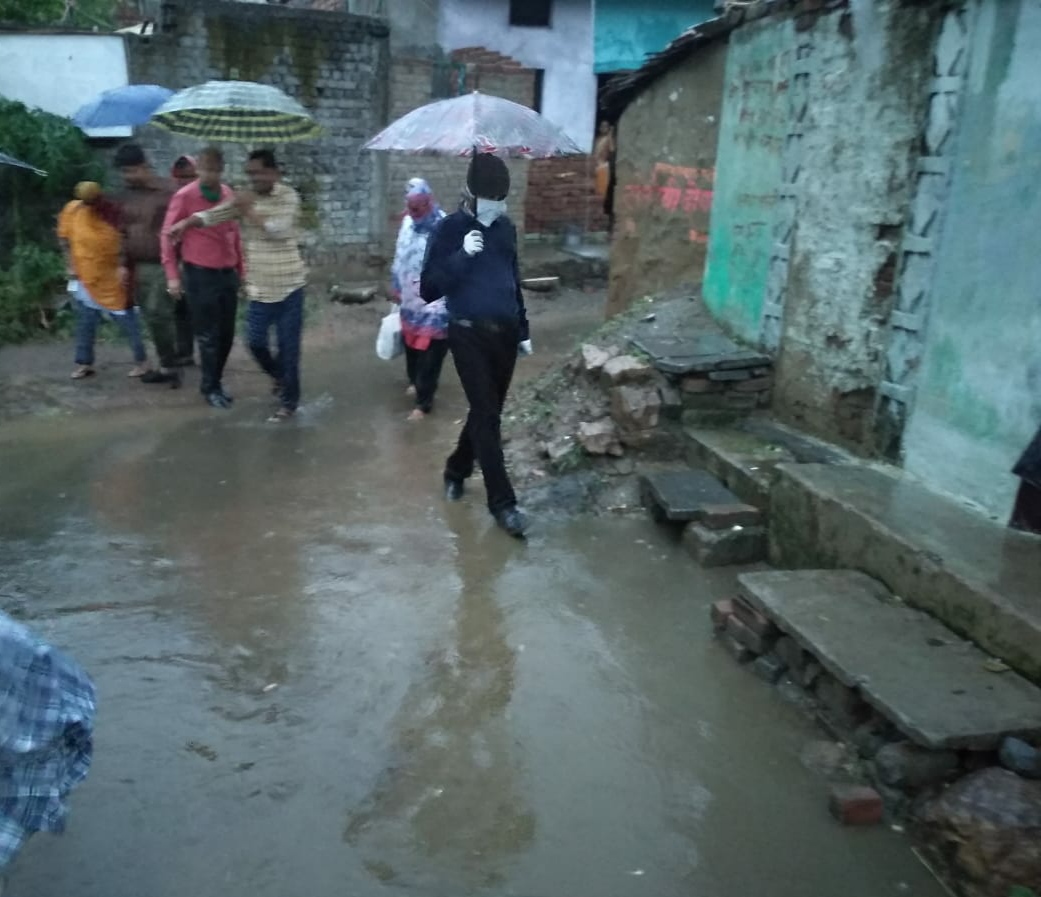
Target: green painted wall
x=626 y=31
x=748 y=172
x=979 y=397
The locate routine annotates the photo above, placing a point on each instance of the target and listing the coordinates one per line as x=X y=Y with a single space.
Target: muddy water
x=315 y=678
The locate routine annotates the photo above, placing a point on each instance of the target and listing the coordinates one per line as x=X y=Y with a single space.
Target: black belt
x=492 y=325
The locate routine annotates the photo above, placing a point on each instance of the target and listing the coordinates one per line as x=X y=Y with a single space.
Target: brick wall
x=562 y=195
x=335 y=64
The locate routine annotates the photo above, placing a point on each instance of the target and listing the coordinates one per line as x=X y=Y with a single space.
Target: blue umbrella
x=17 y=163
x=122 y=107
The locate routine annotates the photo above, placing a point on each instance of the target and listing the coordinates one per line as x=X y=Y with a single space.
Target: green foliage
x=30 y=265
x=34 y=273
x=70 y=13
x=48 y=142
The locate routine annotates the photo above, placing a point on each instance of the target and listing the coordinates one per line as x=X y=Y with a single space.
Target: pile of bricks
x=742 y=383
x=752 y=639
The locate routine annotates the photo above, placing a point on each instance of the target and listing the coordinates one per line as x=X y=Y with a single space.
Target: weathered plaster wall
x=854 y=135
x=335 y=64
x=666 y=172
x=564 y=51
x=753 y=128
x=626 y=32
x=979 y=395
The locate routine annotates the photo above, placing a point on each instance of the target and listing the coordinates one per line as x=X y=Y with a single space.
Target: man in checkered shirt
x=275 y=271
x=46 y=726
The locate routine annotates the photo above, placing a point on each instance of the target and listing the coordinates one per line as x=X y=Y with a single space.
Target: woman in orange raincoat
x=88 y=228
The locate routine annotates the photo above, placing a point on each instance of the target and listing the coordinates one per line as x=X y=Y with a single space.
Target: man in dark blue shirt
x=472 y=261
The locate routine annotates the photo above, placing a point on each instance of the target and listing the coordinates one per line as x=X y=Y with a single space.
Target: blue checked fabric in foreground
x=46 y=723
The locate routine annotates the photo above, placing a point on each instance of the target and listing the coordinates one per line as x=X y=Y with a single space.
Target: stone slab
x=745 y=463
x=696 y=353
x=974 y=574
x=933 y=686
x=684 y=495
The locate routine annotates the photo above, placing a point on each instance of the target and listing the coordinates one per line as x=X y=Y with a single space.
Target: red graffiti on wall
x=677 y=190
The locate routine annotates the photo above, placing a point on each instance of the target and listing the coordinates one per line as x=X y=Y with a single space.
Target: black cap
x=129 y=154
x=488 y=177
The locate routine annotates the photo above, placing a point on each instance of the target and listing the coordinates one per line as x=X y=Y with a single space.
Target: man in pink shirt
x=213 y=265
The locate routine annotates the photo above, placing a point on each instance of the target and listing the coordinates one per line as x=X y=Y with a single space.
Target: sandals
x=82 y=372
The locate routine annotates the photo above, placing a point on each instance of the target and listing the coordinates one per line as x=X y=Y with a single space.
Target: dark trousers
x=1026 y=514
x=485 y=356
x=424 y=370
x=158 y=309
x=183 y=329
x=213 y=296
x=287 y=318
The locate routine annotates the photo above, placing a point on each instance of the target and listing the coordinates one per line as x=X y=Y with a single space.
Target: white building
x=554 y=37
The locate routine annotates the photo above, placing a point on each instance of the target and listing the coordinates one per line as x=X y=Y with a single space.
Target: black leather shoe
x=453 y=489
x=217 y=400
x=154 y=376
x=513 y=522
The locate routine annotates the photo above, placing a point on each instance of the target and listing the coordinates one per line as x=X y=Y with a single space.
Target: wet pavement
x=316 y=678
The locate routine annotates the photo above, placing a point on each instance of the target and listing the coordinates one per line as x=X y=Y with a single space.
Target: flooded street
x=316 y=678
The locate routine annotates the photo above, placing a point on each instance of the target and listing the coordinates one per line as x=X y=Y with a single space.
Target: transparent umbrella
x=17 y=163
x=475 y=123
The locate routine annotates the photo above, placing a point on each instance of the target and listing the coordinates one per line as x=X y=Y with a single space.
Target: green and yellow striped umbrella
x=239 y=111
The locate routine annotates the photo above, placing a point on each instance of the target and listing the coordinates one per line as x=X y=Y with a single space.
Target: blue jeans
x=287 y=318
x=87 y=327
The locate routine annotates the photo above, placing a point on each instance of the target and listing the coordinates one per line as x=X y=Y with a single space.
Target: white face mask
x=488 y=210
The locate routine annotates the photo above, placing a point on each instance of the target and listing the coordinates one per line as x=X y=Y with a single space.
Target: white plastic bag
x=389 y=344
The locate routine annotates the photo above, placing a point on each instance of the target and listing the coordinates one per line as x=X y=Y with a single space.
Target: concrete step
x=976 y=576
x=934 y=687
x=745 y=457
x=681 y=496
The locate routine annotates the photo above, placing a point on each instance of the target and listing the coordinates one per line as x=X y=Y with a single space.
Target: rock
x=811 y=674
x=793 y=656
x=634 y=408
x=827 y=758
x=869 y=739
x=911 y=767
x=755 y=620
x=843 y=704
x=558 y=449
x=770 y=668
x=856 y=805
x=671 y=401
x=627 y=369
x=735 y=649
x=353 y=293
x=699 y=385
x=985 y=832
x=600 y=438
x=725 y=548
x=720 y=612
x=755 y=643
x=594 y=358
x=1020 y=757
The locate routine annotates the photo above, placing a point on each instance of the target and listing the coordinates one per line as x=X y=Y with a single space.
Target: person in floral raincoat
x=424 y=326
